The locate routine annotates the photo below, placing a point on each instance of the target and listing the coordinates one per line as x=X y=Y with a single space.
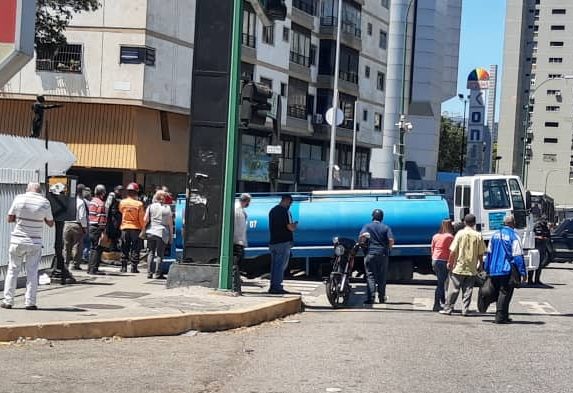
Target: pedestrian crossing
x=306 y=288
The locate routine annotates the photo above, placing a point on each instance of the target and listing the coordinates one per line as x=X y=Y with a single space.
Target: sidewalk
x=130 y=305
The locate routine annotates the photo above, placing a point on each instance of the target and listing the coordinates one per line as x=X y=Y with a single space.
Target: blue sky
x=481 y=45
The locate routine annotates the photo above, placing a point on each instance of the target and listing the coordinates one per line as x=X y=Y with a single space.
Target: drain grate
x=99 y=306
x=124 y=295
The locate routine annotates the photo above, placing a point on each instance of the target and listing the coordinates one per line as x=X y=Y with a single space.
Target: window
x=137 y=55
x=269 y=35
x=369 y=29
x=385 y=3
x=313 y=52
x=349 y=60
x=308 y=6
x=267 y=82
x=380 y=81
x=164 y=120
x=247 y=71
x=558 y=11
x=552 y=108
x=377 y=121
x=496 y=195
x=286 y=33
x=518 y=204
x=383 y=39
x=553 y=92
x=351 y=16
x=556 y=43
x=346 y=104
x=364 y=115
x=310 y=152
x=249 y=26
x=297 y=96
x=300 y=46
x=554 y=76
x=552 y=124
x=550 y=157
x=367 y=71
x=286 y=161
x=556 y=60
x=283 y=89
x=557 y=27
x=65 y=58
x=550 y=140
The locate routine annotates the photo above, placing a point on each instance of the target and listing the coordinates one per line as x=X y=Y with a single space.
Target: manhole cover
x=100 y=306
x=124 y=295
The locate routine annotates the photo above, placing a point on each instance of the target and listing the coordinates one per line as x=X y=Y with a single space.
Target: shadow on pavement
x=61 y=309
x=514 y=322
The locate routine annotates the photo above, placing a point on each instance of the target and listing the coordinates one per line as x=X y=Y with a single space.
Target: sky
x=481 y=44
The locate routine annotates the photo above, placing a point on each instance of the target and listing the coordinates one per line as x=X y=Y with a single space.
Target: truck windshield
x=496 y=194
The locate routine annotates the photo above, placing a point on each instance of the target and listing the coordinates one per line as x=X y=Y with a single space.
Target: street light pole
x=335 y=99
x=353 y=179
x=547 y=178
x=463 y=142
x=402 y=122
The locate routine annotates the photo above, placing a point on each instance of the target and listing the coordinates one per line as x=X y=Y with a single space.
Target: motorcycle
x=338 y=284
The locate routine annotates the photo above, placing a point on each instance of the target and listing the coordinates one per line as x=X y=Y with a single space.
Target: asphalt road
x=397 y=347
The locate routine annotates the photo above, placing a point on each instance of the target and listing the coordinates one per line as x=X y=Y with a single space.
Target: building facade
x=430 y=68
x=535 y=130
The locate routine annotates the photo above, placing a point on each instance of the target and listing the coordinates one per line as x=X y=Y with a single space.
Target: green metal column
x=226 y=257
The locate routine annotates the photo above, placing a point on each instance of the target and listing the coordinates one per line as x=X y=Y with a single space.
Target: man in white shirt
x=74 y=231
x=239 y=239
x=29 y=212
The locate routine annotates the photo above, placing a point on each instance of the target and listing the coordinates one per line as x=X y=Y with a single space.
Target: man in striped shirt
x=97 y=221
x=29 y=212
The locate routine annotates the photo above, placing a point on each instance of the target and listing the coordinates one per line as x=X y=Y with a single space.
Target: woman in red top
x=440 y=254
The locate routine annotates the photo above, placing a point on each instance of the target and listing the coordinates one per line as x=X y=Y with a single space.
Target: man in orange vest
x=132 y=222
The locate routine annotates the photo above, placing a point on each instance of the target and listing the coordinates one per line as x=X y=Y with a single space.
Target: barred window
x=137 y=55
x=64 y=58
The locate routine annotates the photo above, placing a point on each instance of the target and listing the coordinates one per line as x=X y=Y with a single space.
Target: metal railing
x=299 y=58
x=298 y=111
x=347 y=27
x=249 y=40
x=67 y=58
x=308 y=6
x=351 y=77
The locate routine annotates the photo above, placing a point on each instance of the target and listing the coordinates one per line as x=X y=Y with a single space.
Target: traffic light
x=256 y=104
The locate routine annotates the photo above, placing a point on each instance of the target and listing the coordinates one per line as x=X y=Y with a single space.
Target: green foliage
x=53 y=16
x=450 y=145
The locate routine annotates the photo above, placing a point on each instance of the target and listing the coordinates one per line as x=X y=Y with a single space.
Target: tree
x=53 y=16
x=450 y=145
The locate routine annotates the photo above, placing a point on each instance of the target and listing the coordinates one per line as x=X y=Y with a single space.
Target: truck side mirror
x=528 y=200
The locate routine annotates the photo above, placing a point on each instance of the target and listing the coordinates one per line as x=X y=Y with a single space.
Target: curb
x=164 y=325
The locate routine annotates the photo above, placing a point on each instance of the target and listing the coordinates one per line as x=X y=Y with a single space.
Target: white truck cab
x=491 y=198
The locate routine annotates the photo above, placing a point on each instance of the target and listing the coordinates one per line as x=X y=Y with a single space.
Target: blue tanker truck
x=414 y=218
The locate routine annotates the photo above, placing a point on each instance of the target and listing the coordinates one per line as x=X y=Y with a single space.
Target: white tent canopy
x=29 y=155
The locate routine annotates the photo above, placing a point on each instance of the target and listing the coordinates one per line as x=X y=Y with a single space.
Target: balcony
x=297 y=111
x=249 y=50
x=307 y=6
x=350 y=35
x=299 y=59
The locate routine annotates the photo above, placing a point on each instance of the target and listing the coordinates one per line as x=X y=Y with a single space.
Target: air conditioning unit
x=317 y=119
x=558 y=93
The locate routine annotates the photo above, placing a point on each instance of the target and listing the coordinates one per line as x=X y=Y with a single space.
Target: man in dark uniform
x=379 y=240
x=282 y=227
x=38 y=108
x=542 y=238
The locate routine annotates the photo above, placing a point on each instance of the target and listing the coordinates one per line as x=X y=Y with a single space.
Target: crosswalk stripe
x=422 y=303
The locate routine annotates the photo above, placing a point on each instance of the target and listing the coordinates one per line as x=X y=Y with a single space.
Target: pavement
x=130 y=305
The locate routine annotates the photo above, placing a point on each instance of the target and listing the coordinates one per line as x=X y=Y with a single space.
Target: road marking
x=540 y=308
x=423 y=303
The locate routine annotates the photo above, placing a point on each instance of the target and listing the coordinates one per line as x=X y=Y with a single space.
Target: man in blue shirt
x=380 y=240
x=504 y=250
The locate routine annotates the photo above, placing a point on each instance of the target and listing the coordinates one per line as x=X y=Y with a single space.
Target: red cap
x=133 y=187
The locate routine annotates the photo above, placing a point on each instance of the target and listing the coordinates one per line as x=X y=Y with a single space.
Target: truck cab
x=491 y=198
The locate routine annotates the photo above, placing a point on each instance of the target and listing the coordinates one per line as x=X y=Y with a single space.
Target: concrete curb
x=163 y=325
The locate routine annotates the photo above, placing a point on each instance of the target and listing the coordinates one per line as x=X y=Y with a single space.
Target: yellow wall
x=107 y=136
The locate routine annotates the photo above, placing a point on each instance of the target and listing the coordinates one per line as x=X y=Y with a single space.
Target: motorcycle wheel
x=333 y=290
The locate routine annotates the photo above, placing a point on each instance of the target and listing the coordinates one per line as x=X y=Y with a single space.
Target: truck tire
x=400 y=270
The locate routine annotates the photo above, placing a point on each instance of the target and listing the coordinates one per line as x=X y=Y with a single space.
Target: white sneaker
x=446 y=311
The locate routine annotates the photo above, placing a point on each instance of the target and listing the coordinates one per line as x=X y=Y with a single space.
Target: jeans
x=376 y=267
x=155 y=256
x=18 y=253
x=280 y=254
x=73 y=236
x=466 y=284
x=441 y=270
x=505 y=293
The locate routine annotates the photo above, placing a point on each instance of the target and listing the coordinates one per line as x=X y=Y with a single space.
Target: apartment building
x=296 y=59
x=535 y=130
x=125 y=85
